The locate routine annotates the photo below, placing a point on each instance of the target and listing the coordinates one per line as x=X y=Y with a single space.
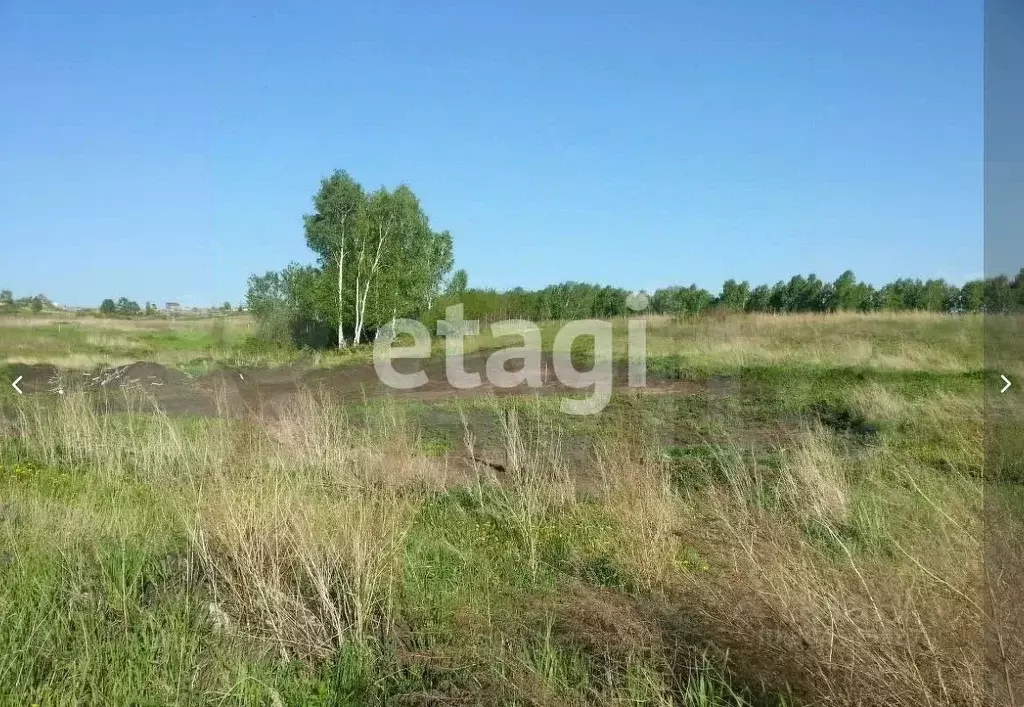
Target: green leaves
x=378 y=259
x=458 y=284
x=338 y=206
x=123 y=307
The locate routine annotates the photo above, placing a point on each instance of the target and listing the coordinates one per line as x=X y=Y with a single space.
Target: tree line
x=121 y=307
x=125 y=307
x=812 y=294
x=379 y=258
x=574 y=300
x=35 y=303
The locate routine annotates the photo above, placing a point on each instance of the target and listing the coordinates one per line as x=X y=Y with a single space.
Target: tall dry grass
x=297 y=525
x=302 y=531
x=848 y=576
x=892 y=341
x=124 y=325
x=807 y=599
x=301 y=573
x=804 y=588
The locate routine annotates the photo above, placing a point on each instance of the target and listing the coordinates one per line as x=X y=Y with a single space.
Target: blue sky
x=166 y=154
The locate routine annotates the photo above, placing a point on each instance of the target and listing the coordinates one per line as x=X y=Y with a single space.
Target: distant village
x=40 y=303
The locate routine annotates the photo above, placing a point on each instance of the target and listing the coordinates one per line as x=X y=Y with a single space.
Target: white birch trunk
x=341 y=296
x=359 y=314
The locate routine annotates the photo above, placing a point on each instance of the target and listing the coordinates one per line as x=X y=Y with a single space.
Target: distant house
x=172 y=306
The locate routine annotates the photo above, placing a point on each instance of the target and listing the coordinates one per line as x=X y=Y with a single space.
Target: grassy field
x=911 y=341
x=90 y=342
x=810 y=526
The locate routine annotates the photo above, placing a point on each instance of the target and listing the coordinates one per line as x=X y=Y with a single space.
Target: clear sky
x=165 y=151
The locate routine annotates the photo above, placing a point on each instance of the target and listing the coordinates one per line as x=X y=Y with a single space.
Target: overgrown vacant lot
x=802 y=525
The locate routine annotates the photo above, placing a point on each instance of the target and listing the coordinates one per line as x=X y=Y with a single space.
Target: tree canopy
x=378 y=258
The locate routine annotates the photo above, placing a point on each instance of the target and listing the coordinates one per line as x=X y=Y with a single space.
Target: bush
x=275 y=327
x=308 y=333
x=259 y=346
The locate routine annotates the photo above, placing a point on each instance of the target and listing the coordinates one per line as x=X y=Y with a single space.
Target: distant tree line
x=297 y=290
x=567 y=300
x=35 y=303
x=378 y=258
x=811 y=294
x=573 y=300
x=125 y=307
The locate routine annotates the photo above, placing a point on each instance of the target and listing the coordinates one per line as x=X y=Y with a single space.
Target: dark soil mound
x=143 y=374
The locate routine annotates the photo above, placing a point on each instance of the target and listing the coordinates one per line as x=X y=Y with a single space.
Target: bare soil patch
x=266 y=391
x=265 y=395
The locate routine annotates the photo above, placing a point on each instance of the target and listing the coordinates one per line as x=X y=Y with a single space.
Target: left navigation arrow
x=15 y=384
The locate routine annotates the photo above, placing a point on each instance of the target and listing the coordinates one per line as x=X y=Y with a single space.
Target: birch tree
x=440 y=260
x=380 y=250
x=374 y=240
x=339 y=213
x=458 y=284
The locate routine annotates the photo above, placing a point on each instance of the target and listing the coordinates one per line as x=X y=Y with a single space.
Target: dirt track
x=264 y=391
x=265 y=394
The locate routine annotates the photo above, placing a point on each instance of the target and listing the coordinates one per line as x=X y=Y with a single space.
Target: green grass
x=793 y=530
x=86 y=343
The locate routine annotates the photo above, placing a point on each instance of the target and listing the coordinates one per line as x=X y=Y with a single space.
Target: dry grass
x=882 y=341
x=813 y=484
x=855 y=633
x=124 y=325
x=840 y=624
x=84 y=343
x=301 y=573
x=845 y=572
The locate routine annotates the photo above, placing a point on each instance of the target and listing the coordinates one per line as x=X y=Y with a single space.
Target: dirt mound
x=142 y=374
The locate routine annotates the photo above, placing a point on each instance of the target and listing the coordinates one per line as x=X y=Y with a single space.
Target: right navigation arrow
x=1008 y=384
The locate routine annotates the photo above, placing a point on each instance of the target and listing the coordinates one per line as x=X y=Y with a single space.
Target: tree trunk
x=361 y=307
x=341 y=298
x=359 y=316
